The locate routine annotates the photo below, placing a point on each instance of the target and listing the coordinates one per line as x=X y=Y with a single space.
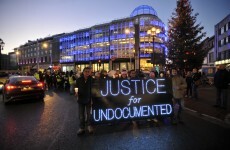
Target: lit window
x=222 y=42
x=222 y=30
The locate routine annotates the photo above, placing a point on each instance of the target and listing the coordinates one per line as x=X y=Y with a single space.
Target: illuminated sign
x=135 y=99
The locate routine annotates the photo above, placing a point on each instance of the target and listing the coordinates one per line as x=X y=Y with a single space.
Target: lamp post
x=153 y=32
x=37 y=48
x=1 y=48
x=137 y=45
x=46 y=47
x=127 y=32
x=17 y=53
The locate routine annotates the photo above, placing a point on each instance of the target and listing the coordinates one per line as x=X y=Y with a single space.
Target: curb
x=224 y=123
x=227 y=119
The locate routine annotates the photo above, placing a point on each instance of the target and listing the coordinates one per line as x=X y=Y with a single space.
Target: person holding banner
x=132 y=74
x=124 y=74
x=178 y=87
x=83 y=91
x=195 y=83
x=152 y=75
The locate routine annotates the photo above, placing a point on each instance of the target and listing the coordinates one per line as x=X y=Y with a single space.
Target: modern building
x=119 y=44
x=222 y=42
x=127 y=43
x=39 y=55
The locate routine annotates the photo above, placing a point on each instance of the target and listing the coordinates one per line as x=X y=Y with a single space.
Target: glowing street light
x=17 y=54
x=153 y=32
x=44 y=45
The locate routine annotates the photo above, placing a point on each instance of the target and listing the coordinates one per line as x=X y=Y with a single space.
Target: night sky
x=23 y=20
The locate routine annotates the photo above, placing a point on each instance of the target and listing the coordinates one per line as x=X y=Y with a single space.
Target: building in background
x=115 y=45
x=41 y=55
x=208 y=66
x=4 y=62
x=222 y=42
x=119 y=44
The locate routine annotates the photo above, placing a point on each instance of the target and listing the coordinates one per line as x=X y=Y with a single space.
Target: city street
x=53 y=124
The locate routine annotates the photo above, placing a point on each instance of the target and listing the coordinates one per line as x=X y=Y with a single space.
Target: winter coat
x=178 y=86
x=84 y=90
x=221 y=79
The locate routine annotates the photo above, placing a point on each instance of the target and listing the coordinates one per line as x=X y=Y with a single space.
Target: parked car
x=22 y=88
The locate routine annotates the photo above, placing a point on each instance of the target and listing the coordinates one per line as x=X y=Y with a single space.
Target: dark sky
x=23 y=20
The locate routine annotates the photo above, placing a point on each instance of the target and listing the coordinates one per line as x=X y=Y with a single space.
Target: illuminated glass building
x=112 y=45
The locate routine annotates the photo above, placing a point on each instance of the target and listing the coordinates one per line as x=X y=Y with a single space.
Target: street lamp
x=42 y=46
x=37 y=48
x=1 y=48
x=127 y=32
x=17 y=53
x=46 y=47
x=153 y=32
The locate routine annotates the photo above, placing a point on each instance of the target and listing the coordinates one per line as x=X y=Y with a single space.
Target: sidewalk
x=204 y=105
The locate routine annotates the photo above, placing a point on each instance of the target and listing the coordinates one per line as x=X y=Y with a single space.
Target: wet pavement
x=52 y=124
x=204 y=105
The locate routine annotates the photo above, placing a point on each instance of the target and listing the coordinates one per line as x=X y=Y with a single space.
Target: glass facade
x=110 y=43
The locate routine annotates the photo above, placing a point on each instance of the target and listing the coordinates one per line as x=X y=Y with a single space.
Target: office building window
x=222 y=30
x=222 y=42
x=211 y=57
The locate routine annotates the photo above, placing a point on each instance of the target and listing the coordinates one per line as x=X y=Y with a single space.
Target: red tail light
x=40 y=85
x=10 y=87
x=26 y=81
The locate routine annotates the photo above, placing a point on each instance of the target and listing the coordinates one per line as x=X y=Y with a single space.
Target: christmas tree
x=184 y=35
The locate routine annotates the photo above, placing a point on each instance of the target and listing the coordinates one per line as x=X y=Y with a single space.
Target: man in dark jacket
x=221 y=81
x=195 y=78
x=84 y=85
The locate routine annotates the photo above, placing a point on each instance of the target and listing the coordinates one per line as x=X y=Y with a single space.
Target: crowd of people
x=184 y=85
